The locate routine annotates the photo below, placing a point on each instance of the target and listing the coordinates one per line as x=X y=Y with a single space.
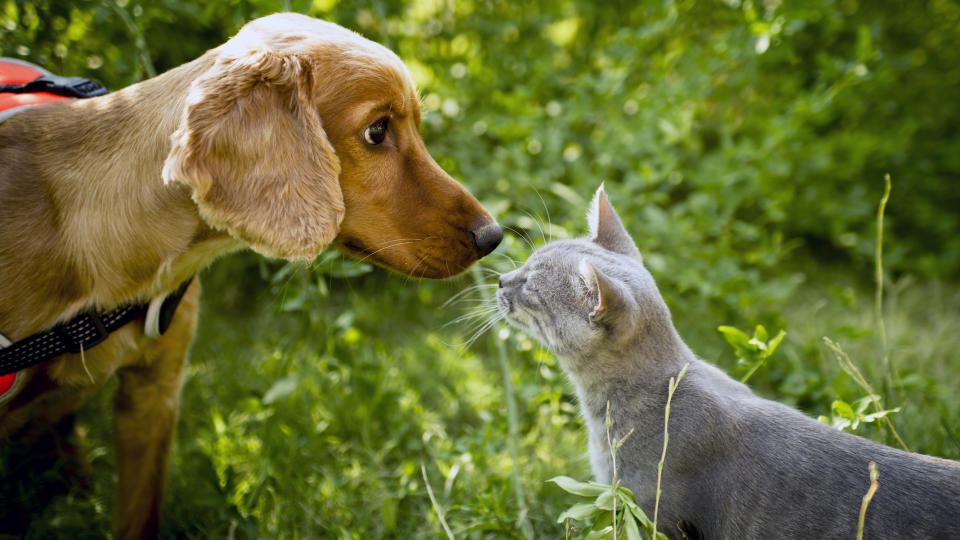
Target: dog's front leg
x=145 y=415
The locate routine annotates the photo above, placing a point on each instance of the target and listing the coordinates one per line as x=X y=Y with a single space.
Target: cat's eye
x=376 y=132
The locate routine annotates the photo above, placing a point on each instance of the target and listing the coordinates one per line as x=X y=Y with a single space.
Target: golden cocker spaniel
x=294 y=134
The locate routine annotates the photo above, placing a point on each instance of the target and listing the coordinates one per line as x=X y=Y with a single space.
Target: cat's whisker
x=481 y=313
x=483 y=329
x=523 y=236
x=476 y=311
x=547 y=210
x=511 y=260
x=490 y=272
x=458 y=297
x=543 y=235
x=473 y=301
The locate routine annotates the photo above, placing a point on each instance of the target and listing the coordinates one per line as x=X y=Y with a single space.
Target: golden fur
x=259 y=142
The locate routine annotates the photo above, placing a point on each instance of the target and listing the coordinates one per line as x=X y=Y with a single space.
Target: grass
x=330 y=419
x=674 y=382
x=874 y=485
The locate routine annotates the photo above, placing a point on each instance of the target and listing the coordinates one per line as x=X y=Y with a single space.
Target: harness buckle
x=161 y=310
x=93 y=334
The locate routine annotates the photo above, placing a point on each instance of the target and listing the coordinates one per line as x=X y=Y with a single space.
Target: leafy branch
x=752 y=352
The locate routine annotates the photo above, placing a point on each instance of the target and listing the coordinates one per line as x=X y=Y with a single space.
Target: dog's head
x=304 y=133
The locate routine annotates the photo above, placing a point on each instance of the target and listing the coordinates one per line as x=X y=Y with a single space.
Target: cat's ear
x=601 y=290
x=606 y=228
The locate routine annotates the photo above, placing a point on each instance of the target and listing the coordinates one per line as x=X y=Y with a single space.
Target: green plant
x=607 y=520
x=671 y=388
x=752 y=352
x=850 y=416
x=871 y=491
x=603 y=512
x=855 y=413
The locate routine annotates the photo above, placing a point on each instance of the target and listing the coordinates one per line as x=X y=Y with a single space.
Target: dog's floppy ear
x=253 y=149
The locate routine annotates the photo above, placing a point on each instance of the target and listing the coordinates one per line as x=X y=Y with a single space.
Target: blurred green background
x=744 y=143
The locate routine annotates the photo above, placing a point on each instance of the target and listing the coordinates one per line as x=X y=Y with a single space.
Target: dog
x=293 y=135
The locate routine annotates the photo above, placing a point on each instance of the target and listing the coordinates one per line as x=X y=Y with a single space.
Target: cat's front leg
x=600 y=462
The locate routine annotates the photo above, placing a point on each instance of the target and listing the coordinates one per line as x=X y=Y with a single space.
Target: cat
x=737 y=466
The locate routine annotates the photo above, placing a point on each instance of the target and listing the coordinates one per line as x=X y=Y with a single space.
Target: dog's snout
x=486 y=237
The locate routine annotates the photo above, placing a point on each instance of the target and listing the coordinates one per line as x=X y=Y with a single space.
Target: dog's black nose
x=486 y=237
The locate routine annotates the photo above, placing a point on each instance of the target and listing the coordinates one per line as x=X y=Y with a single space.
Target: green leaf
x=584 y=489
x=640 y=516
x=281 y=389
x=388 y=513
x=760 y=334
x=841 y=423
x=626 y=495
x=737 y=339
x=602 y=520
x=873 y=417
x=630 y=527
x=606 y=532
x=842 y=409
x=605 y=500
x=579 y=512
x=861 y=404
x=775 y=342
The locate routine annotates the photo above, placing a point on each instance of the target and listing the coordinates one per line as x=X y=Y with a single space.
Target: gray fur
x=737 y=466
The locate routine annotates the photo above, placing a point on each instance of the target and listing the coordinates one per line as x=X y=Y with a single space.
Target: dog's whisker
x=392 y=244
x=413 y=272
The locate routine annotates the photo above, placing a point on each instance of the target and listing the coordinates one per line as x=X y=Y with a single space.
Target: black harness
x=75 y=87
x=84 y=331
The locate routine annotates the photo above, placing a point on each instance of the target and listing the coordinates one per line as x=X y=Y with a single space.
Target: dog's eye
x=377 y=131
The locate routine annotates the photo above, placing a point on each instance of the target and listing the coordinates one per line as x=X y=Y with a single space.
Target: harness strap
x=84 y=331
x=76 y=87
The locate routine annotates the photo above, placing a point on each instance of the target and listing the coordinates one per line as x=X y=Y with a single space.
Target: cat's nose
x=507 y=278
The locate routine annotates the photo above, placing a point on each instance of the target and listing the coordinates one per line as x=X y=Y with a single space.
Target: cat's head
x=581 y=296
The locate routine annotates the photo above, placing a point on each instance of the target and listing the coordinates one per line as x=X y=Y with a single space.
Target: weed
x=874 y=485
x=752 y=352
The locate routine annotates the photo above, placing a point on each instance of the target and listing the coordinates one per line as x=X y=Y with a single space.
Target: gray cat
x=737 y=466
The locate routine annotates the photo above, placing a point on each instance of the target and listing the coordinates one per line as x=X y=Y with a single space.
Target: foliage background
x=743 y=142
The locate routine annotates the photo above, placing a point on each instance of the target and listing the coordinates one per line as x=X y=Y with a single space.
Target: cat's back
x=795 y=477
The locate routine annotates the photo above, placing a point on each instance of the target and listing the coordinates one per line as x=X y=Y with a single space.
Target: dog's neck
x=93 y=193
